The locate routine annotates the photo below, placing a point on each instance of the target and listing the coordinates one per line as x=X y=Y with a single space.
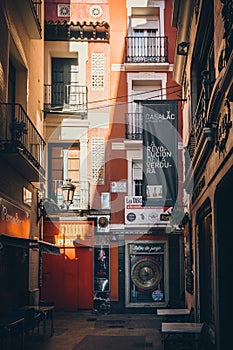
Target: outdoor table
x=12 y=325
x=179 y=328
x=46 y=312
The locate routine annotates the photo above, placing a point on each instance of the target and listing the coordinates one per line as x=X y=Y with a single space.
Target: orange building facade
x=107 y=78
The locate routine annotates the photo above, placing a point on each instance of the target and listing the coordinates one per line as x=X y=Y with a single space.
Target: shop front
x=19 y=257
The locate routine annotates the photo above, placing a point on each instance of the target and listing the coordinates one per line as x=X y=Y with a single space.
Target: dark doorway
x=224 y=240
x=206 y=266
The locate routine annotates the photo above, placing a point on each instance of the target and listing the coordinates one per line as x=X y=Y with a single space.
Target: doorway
x=224 y=240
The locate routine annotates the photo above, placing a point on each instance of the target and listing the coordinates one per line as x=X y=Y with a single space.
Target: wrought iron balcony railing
x=133 y=125
x=19 y=135
x=65 y=98
x=36 y=8
x=198 y=124
x=81 y=198
x=146 y=49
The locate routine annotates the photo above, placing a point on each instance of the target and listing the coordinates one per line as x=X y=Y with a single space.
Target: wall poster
x=101 y=268
x=160 y=148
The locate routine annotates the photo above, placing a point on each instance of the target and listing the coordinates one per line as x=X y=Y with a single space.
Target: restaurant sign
x=136 y=213
x=13 y=220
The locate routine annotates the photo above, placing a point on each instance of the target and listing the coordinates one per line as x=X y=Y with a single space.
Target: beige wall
x=27 y=55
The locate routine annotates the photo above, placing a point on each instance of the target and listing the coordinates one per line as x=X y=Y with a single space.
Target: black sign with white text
x=160 y=147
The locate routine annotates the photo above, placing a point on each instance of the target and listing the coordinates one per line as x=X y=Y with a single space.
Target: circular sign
x=103 y=221
x=95 y=11
x=131 y=217
x=157 y=295
x=146 y=273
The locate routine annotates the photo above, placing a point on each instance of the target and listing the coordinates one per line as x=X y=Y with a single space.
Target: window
x=64 y=163
x=137 y=178
x=27 y=196
x=65 y=80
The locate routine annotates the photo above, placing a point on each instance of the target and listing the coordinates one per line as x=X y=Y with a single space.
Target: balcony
x=146 y=49
x=81 y=200
x=31 y=13
x=60 y=98
x=133 y=126
x=20 y=142
x=199 y=122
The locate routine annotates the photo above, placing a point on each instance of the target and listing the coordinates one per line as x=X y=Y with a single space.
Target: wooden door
x=68 y=282
x=85 y=278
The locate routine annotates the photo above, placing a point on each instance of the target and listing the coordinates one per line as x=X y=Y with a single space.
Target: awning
x=45 y=247
x=14 y=241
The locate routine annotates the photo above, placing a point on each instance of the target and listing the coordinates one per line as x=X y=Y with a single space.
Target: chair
x=31 y=321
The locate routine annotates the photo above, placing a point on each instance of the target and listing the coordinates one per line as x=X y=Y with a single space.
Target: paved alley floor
x=86 y=331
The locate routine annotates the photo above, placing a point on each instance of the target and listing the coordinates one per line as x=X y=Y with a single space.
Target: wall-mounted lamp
x=182 y=48
x=68 y=192
x=46 y=205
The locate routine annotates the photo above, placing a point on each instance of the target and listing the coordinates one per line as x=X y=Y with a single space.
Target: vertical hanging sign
x=160 y=147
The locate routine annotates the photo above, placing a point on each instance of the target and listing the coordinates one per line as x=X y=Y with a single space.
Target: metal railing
x=17 y=130
x=146 y=49
x=61 y=97
x=81 y=198
x=198 y=123
x=133 y=126
x=36 y=8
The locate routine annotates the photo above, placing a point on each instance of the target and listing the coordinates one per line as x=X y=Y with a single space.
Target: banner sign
x=160 y=147
x=136 y=213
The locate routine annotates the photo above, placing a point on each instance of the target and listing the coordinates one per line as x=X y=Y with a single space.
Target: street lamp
x=182 y=48
x=68 y=192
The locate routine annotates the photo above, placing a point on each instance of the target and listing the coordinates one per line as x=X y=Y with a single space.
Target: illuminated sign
x=13 y=220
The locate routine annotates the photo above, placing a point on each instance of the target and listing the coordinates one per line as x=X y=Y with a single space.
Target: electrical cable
x=134 y=94
x=127 y=102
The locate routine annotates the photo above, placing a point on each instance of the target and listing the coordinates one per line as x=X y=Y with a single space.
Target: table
x=46 y=313
x=172 y=313
x=180 y=328
x=12 y=326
